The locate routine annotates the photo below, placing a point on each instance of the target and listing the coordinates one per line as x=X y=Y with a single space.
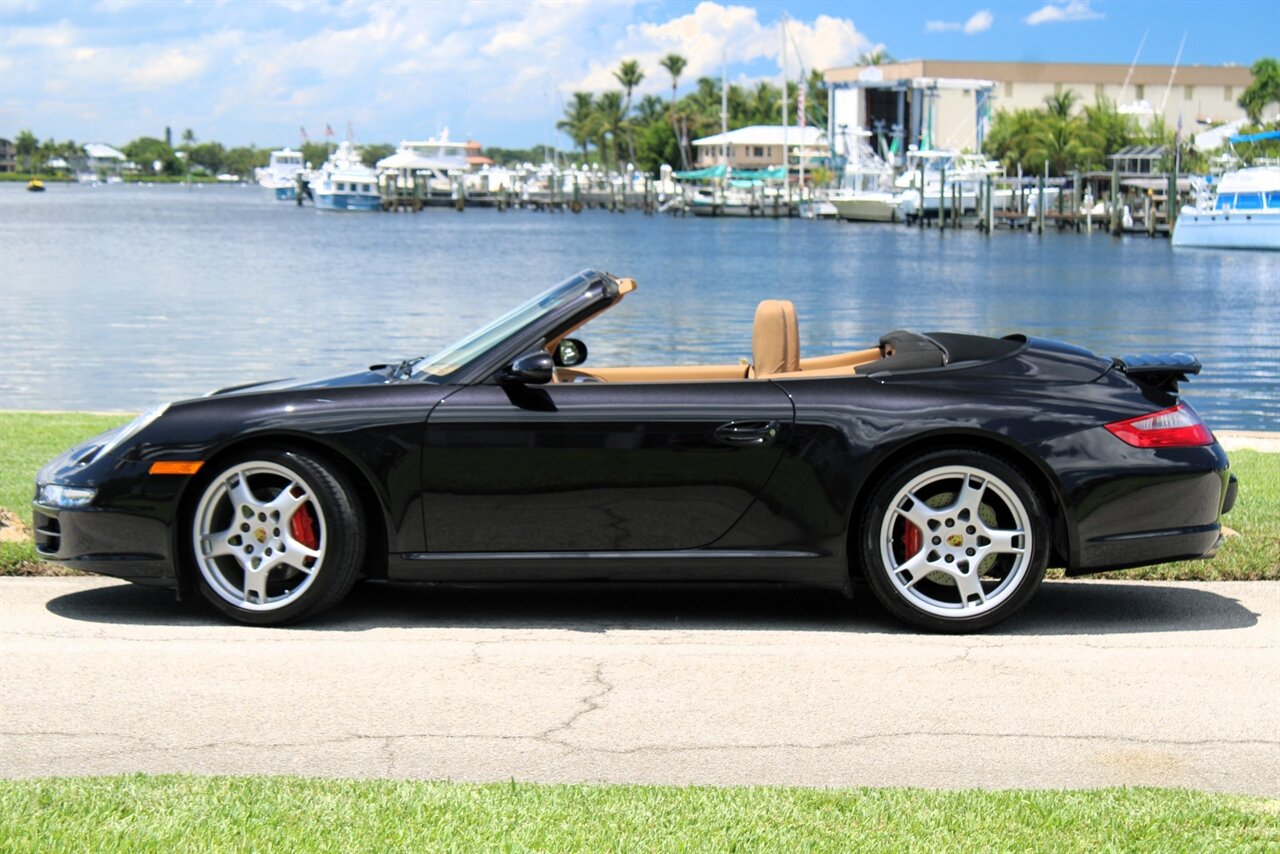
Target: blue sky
x=254 y=71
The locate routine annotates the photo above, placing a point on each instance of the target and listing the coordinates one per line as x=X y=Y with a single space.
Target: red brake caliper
x=912 y=539
x=303 y=527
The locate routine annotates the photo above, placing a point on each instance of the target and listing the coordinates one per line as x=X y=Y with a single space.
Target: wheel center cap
x=955 y=541
x=260 y=535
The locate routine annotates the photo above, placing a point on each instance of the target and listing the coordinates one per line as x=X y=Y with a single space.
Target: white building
x=949 y=104
x=759 y=147
x=100 y=158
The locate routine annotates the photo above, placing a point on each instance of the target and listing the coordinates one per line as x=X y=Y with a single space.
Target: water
x=115 y=297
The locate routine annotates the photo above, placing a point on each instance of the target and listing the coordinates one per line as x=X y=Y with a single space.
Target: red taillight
x=1176 y=427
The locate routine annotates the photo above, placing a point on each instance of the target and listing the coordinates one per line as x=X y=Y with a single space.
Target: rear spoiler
x=1163 y=372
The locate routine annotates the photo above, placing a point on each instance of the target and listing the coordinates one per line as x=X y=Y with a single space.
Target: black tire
x=927 y=578
x=291 y=586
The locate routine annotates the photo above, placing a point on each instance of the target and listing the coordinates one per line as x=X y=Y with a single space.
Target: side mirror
x=570 y=352
x=533 y=369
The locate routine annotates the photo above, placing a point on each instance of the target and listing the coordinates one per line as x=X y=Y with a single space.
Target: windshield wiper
x=404 y=370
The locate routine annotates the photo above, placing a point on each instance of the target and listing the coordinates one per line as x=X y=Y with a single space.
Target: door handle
x=747 y=433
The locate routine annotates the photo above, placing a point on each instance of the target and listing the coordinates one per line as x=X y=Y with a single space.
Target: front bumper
x=120 y=545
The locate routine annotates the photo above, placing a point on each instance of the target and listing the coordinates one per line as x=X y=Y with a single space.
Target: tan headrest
x=775 y=339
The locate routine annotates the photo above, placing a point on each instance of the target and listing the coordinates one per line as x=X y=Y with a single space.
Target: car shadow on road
x=1060 y=608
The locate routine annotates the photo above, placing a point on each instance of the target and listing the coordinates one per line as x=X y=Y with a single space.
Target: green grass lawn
x=28 y=440
x=163 y=814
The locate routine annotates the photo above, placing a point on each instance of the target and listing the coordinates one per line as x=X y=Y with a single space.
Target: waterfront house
x=761 y=147
x=99 y=159
x=8 y=156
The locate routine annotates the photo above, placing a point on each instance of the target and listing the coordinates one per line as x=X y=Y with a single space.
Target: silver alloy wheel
x=259 y=536
x=970 y=553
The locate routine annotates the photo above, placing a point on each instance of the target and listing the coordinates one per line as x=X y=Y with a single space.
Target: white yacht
x=866 y=191
x=344 y=183
x=966 y=171
x=431 y=161
x=1244 y=213
x=280 y=175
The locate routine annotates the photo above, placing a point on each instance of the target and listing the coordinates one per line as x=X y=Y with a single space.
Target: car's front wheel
x=954 y=540
x=277 y=537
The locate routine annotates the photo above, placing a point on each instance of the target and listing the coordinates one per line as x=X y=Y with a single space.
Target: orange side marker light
x=176 y=467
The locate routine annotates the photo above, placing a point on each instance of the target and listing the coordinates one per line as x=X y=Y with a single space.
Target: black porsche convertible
x=944 y=471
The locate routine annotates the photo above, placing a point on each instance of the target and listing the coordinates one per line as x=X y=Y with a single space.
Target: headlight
x=132 y=428
x=64 y=497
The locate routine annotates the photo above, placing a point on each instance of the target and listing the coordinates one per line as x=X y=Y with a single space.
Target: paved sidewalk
x=1097 y=683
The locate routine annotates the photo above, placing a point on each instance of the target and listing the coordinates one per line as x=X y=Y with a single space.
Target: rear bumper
x=121 y=545
x=1149 y=547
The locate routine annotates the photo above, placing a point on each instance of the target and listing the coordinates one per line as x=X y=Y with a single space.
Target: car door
x=598 y=466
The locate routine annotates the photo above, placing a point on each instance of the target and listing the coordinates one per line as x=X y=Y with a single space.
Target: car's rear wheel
x=954 y=540
x=277 y=537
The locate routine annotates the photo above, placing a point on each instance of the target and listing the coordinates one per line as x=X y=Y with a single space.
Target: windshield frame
x=462 y=360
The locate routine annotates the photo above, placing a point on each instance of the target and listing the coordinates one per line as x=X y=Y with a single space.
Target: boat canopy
x=1255 y=137
x=778 y=173
x=702 y=174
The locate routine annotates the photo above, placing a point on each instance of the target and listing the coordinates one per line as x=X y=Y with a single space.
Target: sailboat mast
x=786 y=157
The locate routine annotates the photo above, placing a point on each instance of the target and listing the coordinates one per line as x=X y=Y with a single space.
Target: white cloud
x=712 y=35
x=168 y=68
x=499 y=70
x=1050 y=13
x=979 y=22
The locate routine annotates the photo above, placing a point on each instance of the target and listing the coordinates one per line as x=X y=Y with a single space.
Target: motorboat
x=344 y=183
x=866 y=192
x=1241 y=210
x=946 y=174
x=280 y=175
x=428 y=163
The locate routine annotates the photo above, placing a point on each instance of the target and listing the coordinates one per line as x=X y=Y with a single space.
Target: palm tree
x=1060 y=103
x=876 y=56
x=764 y=104
x=674 y=63
x=650 y=109
x=577 y=121
x=609 y=122
x=188 y=137
x=630 y=76
x=1064 y=143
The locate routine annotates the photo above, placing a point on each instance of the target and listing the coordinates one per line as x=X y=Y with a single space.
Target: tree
x=146 y=151
x=675 y=64
x=630 y=76
x=1060 y=104
x=816 y=99
x=209 y=156
x=372 y=153
x=650 y=109
x=610 y=123
x=876 y=56
x=188 y=137
x=577 y=121
x=1264 y=90
x=25 y=145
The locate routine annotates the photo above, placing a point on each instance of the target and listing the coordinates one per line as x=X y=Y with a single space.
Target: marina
x=131 y=326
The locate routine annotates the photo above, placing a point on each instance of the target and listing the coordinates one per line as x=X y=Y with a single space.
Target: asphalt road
x=1097 y=683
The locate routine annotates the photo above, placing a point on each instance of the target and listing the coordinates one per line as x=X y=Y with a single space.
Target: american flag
x=328 y=131
x=303 y=131
x=800 y=106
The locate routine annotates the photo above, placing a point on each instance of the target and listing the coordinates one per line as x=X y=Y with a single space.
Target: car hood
x=375 y=375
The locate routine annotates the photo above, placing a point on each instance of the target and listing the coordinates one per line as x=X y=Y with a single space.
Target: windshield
x=450 y=359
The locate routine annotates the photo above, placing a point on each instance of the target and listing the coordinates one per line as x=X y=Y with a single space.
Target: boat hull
x=1237 y=230
x=347 y=202
x=866 y=210
x=285 y=194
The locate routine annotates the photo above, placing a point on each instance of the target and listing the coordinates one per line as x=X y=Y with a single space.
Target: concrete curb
x=1249 y=440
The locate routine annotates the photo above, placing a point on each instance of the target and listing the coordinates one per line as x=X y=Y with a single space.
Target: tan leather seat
x=775 y=339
